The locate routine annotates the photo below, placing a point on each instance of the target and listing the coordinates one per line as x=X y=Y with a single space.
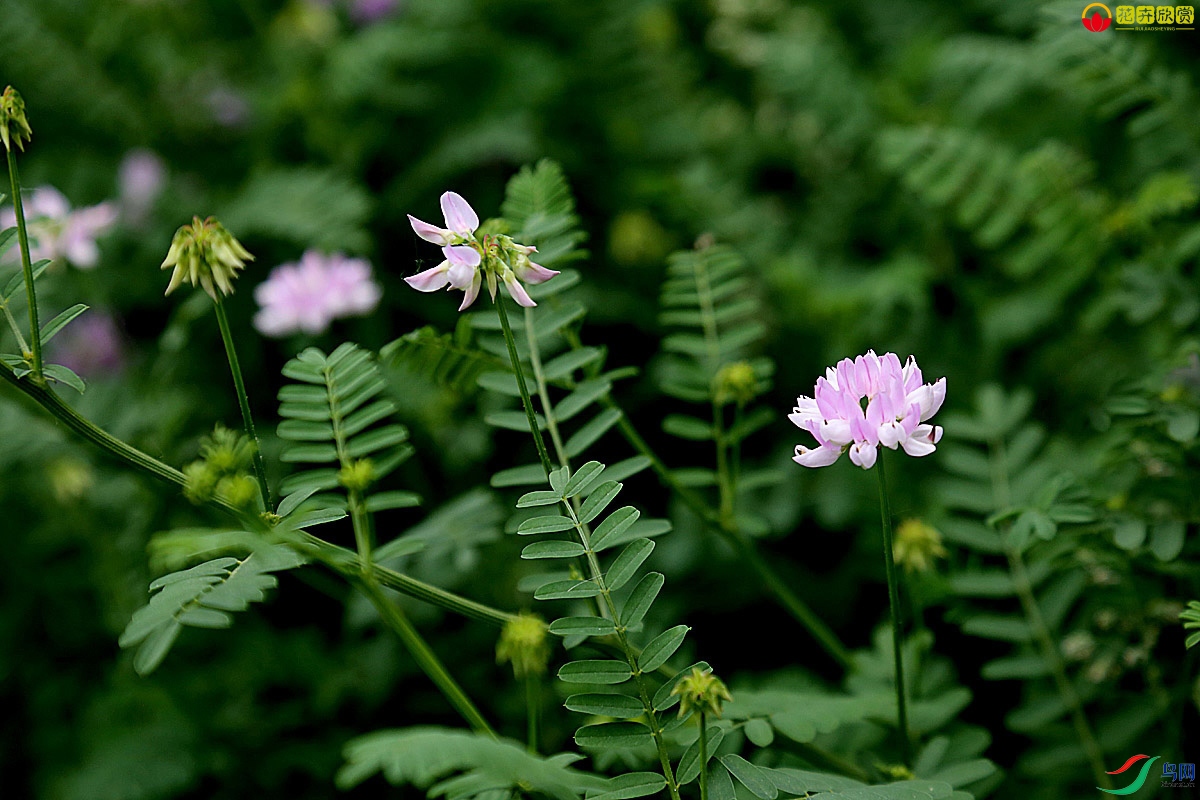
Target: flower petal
x=863 y=454
x=922 y=441
x=430 y=233
x=518 y=292
x=460 y=217
x=535 y=273
x=817 y=457
x=431 y=279
x=462 y=254
x=472 y=293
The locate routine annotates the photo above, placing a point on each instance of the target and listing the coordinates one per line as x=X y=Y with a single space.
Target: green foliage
x=333 y=415
x=201 y=597
x=539 y=210
x=481 y=766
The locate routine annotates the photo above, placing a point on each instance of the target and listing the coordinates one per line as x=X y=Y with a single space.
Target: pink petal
x=462 y=254
x=460 y=217
x=863 y=454
x=430 y=280
x=518 y=292
x=818 y=457
x=471 y=294
x=535 y=273
x=835 y=431
x=937 y=393
x=922 y=441
x=430 y=233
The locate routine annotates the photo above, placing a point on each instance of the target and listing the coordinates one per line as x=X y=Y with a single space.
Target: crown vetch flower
x=14 y=126
x=470 y=259
x=305 y=297
x=204 y=254
x=58 y=232
x=897 y=405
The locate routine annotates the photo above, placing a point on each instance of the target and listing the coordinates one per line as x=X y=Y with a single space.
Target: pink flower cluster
x=57 y=232
x=305 y=297
x=897 y=404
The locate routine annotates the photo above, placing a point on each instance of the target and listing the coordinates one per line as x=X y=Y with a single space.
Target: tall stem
x=539 y=379
x=703 y=756
x=35 y=330
x=260 y=467
x=533 y=710
x=426 y=659
x=889 y=561
x=526 y=402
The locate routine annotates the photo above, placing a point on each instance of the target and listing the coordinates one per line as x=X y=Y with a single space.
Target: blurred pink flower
x=305 y=297
x=897 y=405
x=55 y=231
x=367 y=12
x=141 y=179
x=91 y=345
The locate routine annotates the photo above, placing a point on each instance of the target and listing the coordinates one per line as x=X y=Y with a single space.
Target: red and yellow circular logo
x=1096 y=23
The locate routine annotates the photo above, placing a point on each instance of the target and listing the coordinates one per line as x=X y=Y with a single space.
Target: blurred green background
x=985 y=184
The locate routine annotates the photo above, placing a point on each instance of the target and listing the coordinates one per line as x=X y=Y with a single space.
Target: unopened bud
x=204 y=254
x=238 y=491
x=702 y=691
x=358 y=475
x=735 y=382
x=523 y=643
x=917 y=545
x=14 y=127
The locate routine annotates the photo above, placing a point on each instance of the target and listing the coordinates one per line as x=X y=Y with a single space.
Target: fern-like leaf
x=201 y=597
x=540 y=211
x=485 y=767
x=447 y=359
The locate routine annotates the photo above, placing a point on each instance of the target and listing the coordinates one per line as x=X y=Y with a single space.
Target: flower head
x=702 y=691
x=305 y=297
x=204 y=254
x=91 y=346
x=14 y=127
x=917 y=545
x=867 y=402
x=141 y=178
x=470 y=259
x=57 y=232
x=523 y=643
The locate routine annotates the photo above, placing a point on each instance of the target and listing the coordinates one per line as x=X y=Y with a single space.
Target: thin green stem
x=893 y=581
x=526 y=402
x=703 y=756
x=35 y=330
x=426 y=659
x=16 y=329
x=724 y=478
x=260 y=466
x=533 y=710
x=539 y=378
x=1037 y=622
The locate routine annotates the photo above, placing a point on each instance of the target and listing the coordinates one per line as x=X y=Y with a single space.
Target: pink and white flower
x=468 y=260
x=868 y=402
x=58 y=232
x=306 y=297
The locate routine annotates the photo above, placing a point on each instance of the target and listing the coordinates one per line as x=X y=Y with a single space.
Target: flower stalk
x=35 y=330
x=526 y=401
x=893 y=580
x=239 y=385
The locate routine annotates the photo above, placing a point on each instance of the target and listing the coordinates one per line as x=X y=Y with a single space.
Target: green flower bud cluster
x=14 y=127
x=702 y=691
x=918 y=544
x=357 y=475
x=222 y=471
x=523 y=643
x=204 y=254
x=735 y=382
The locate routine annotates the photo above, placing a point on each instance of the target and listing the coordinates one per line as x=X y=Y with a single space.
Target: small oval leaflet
x=615 y=524
x=641 y=598
x=552 y=523
x=661 y=648
x=621 y=706
x=598 y=671
x=629 y=786
x=752 y=777
x=598 y=500
x=613 y=734
x=553 y=549
x=625 y=566
x=582 y=626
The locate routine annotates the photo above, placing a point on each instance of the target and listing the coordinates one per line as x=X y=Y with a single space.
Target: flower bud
x=701 y=691
x=916 y=546
x=14 y=127
x=357 y=476
x=201 y=482
x=238 y=491
x=735 y=382
x=523 y=643
x=204 y=254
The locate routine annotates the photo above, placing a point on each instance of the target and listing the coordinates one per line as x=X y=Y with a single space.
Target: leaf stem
x=703 y=756
x=260 y=467
x=533 y=710
x=426 y=659
x=526 y=402
x=539 y=377
x=889 y=561
x=35 y=331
